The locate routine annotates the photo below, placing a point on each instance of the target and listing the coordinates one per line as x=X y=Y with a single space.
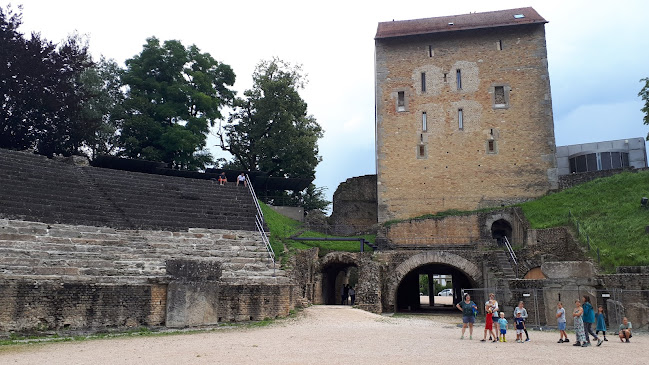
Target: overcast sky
x=597 y=53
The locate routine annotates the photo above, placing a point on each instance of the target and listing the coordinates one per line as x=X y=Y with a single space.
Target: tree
x=103 y=106
x=174 y=96
x=41 y=90
x=270 y=130
x=644 y=95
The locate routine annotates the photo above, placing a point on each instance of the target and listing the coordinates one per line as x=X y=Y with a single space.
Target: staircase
x=505 y=265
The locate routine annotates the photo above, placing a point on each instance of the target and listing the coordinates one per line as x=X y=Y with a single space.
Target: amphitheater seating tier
x=35 y=188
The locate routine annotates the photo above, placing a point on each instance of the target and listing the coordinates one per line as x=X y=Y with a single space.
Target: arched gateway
x=402 y=289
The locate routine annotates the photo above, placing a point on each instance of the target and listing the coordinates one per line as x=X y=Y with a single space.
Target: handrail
x=510 y=249
x=259 y=222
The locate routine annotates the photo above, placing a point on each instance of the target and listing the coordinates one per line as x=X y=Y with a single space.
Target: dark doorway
x=334 y=277
x=410 y=290
x=500 y=229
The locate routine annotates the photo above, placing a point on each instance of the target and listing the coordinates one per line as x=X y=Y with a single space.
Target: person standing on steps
x=521 y=309
x=241 y=179
x=467 y=307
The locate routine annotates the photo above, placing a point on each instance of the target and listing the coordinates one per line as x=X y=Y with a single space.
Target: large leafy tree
x=270 y=129
x=103 y=106
x=644 y=95
x=41 y=91
x=174 y=96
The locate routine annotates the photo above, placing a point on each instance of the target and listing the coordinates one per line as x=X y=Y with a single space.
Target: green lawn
x=282 y=227
x=608 y=211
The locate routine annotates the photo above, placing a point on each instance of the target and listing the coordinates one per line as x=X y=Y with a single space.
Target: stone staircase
x=34 y=188
x=33 y=249
x=505 y=265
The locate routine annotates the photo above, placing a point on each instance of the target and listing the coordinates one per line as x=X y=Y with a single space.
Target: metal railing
x=259 y=222
x=510 y=250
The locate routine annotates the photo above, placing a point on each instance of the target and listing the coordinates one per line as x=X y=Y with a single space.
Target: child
x=561 y=323
x=489 y=322
x=520 y=327
x=503 y=327
x=579 y=325
x=601 y=323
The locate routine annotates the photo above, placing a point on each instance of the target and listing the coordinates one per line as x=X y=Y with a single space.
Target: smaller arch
x=500 y=229
x=337 y=269
x=535 y=273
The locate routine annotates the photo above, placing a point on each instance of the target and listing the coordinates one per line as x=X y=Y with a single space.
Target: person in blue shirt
x=519 y=322
x=589 y=319
x=503 y=327
x=601 y=323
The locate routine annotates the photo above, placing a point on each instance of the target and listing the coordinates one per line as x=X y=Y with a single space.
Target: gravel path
x=331 y=335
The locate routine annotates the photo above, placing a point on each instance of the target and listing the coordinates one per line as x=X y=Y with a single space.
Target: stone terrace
x=34 y=188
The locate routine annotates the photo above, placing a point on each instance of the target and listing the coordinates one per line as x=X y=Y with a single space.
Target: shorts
x=561 y=326
x=518 y=332
x=489 y=322
x=468 y=319
x=503 y=332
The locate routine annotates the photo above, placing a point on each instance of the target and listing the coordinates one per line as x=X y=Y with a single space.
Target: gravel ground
x=331 y=335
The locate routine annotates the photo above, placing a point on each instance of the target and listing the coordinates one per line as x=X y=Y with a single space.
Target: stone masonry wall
x=354 y=205
x=36 y=305
x=446 y=230
x=456 y=169
x=568 y=181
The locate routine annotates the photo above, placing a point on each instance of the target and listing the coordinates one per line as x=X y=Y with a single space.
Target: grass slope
x=282 y=228
x=608 y=211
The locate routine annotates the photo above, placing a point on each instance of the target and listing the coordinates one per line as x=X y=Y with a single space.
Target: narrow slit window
x=491 y=146
x=430 y=51
x=424 y=122
x=458 y=74
x=499 y=45
x=460 y=119
x=422 y=150
x=499 y=96
x=423 y=82
x=401 y=101
x=445 y=76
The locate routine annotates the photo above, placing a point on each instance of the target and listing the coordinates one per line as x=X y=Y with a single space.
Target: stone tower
x=463 y=113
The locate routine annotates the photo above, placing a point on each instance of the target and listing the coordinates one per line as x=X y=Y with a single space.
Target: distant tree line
x=162 y=106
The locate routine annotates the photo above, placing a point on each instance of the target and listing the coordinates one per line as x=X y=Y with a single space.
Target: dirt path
x=331 y=335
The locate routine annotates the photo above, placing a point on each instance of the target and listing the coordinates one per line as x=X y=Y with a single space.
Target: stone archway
x=500 y=229
x=337 y=269
x=466 y=267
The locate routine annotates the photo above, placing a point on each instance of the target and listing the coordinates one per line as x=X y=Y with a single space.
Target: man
x=625 y=330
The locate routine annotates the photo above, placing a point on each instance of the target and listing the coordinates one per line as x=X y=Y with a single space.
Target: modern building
x=604 y=155
x=463 y=113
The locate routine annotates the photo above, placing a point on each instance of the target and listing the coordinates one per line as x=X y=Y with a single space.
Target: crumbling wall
x=354 y=205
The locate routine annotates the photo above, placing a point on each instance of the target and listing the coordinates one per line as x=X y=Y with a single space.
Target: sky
x=597 y=53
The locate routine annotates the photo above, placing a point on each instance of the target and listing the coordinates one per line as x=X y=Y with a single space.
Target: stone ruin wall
x=172 y=279
x=354 y=205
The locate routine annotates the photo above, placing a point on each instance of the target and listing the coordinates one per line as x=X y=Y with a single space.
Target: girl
x=601 y=323
x=521 y=309
x=579 y=325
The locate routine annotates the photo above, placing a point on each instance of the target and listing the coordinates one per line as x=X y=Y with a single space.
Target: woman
x=579 y=324
x=468 y=318
x=494 y=312
x=489 y=320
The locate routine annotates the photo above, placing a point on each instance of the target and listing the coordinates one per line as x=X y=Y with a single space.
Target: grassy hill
x=609 y=213
x=282 y=228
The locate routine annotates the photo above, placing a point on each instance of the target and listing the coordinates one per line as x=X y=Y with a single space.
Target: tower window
x=423 y=82
x=424 y=122
x=445 y=76
x=401 y=101
x=491 y=146
x=460 y=119
x=458 y=75
x=499 y=45
x=421 y=151
x=500 y=97
x=430 y=51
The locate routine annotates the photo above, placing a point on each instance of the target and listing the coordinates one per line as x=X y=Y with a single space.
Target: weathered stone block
x=568 y=270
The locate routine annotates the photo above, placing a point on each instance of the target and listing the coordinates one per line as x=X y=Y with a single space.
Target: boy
x=625 y=330
x=561 y=323
x=503 y=327
x=520 y=327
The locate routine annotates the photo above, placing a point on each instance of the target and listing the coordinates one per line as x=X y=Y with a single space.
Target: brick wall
x=457 y=171
x=568 y=181
x=447 y=230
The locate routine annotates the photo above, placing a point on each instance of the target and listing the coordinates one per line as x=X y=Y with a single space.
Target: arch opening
x=423 y=288
x=334 y=277
x=500 y=229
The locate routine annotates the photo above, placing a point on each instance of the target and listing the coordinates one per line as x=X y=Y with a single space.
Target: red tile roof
x=451 y=23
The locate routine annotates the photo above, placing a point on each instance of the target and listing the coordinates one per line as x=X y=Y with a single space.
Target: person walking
x=467 y=306
x=521 y=309
x=601 y=323
x=577 y=314
x=589 y=319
